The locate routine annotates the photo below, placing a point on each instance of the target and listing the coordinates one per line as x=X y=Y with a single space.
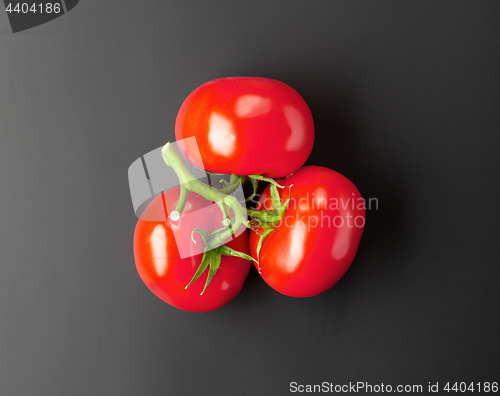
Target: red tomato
x=246 y=126
x=317 y=238
x=166 y=257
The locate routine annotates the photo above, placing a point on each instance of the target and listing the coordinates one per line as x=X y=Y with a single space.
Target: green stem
x=190 y=183
x=182 y=199
x=265 y=215
x=233 y=184
x=225 y=212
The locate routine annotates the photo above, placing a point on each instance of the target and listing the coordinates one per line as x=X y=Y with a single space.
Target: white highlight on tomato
x=175 y=216
x=297 y=126
x=320 y=199
x=342 y=239
x=188 y=207
x=225 y=285
x=342 y=243
x=297 y=250
x=251 y=106
x=221 y=135
x=159 y=242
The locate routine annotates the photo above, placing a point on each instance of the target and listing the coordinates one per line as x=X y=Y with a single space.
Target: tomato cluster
x=306 y=226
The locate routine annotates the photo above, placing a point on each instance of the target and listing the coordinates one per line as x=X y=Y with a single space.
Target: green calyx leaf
x=214 y=264
x=262 y=238
x=285 y=205
x=205 y=262
x=262 y=216
x=275 y=198
x=266 y=225
x=267 y=221
x=232 y=184
x=265 y=179
x=211 y=260
x=227 y=251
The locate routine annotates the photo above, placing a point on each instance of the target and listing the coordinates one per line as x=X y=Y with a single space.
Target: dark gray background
x=406 y=100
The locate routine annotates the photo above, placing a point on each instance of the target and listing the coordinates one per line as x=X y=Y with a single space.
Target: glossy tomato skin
x=246 y=126
x=157 y=247
x=317 y=239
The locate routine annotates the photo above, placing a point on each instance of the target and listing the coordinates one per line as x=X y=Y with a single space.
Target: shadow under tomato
x=378 y=176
